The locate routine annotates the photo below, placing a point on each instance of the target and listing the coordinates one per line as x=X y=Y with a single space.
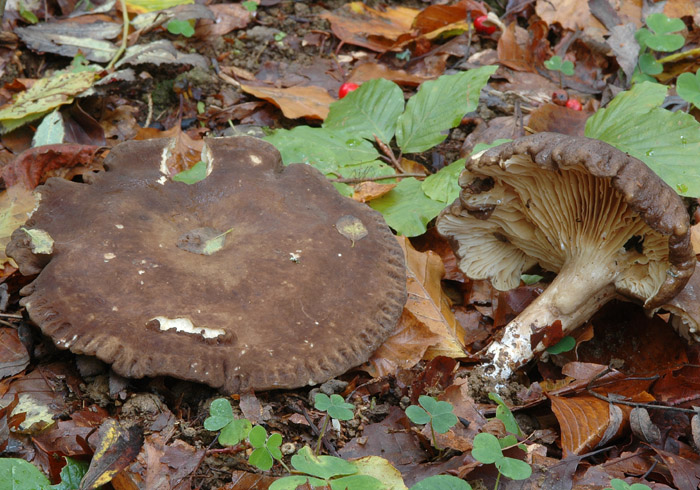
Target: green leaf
x=406 y=208
x=367 y=170
x=504 y=414
x=335 y=406
x=428 y=402
x=51 y=131
x=508 y=441
x=438 y=106
x=27 y=14
x=443 y=185
x=257 y=436
x=443 y=482
x=357 y=482
x=530 y=279
x=18 y=474
x=417 y=415
x=688 y=87
x=649 y=65
x=45 y=95
x=273 y=445
x=514 y=469
x=564 y=345
x=192 y=175
x=181 y=27
x=662 y=39
x=234 y=432
x=486 y=448
x=631 y=122
x=261 y=458
x=567 y=68
x=326 y=149
x=294 y=481
x=220 y=414
x=372 y=109
x=555 y=63
x=325 y=467
x=71 y=475
x=442 y=422
x=250 y=6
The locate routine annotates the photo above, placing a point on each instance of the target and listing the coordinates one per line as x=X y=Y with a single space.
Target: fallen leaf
x=71 y=38
x=366 y=191
x=557 y=119
x=295 y=102
x=16 y=204
x=369 y=71
x=33 y=166
x=428 y=303
x=116 y=448
x=228 y=16
x=45 y=95
x=13 y=355
x=378 y=30
x=570 y=14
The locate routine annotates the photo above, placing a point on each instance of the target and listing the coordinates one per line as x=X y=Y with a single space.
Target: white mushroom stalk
x=518 y=213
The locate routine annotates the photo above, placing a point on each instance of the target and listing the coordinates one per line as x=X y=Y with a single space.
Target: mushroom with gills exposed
x=259 y=276
x=601 y=219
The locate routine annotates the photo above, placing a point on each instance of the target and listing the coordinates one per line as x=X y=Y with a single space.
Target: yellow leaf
x=16 y=204
x=143 y=6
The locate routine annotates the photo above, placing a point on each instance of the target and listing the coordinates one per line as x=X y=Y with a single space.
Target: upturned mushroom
x=258 y=277
x=599 y=218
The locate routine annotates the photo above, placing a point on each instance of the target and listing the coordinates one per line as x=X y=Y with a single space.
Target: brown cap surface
x=241 y=281
x=547 y=197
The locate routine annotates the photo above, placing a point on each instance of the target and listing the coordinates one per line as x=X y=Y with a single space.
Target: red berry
x=346 y=88
x=574 y=104
x=484 y=26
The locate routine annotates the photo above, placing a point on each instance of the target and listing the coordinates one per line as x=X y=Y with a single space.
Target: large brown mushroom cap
x=577 y=206
x=287 y=301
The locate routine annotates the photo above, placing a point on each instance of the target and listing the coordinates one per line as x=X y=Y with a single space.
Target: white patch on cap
x=185 y=325
x=119 y=227
x=255 y=159
x=109 y=256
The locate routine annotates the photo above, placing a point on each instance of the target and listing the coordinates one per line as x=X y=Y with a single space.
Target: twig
x=393 y=159
x=2 y=10
x=149 y=117
x=125 y=35
x=374 y=179
x=11 y=315
x=607 y=370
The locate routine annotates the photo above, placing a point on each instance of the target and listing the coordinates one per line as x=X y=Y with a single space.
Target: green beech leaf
x=406 y=208
x=443 y=185
x=326 y=149
x=18 y=474
x=631 y=122
x=370 y=110
x=438 y=106
x=662 y=38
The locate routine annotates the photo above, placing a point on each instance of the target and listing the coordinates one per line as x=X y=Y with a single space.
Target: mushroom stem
x=580 y=289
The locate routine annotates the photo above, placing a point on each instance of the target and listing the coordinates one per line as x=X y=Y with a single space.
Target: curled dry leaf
x=643 y=427
x=311 y=102
x=366 y=191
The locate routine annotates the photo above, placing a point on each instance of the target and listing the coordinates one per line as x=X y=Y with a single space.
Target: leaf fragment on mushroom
x=41 y=241
x=185 y=325
x=351 y=228
x=203 y=241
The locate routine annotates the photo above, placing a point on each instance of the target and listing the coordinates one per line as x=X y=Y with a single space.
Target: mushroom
x=685 y=309
x=258 y=277
x=579 y=207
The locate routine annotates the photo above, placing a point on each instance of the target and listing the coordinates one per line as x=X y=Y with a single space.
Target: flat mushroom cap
x=551 y=198
x=286 y=301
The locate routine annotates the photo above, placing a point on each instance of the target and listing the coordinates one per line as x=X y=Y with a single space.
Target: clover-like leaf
x=443 y=482
x=234 y=432
x=266 y=448
x=564 y=345
x=649 y=66
x=659 y=36
x=220 y=414
x=688 y=87
x=486 y=448
x=182 y=27
x=504 y=414
x=325 y=467
x=417 y=415
x=514 y=469
x=335 y=406
x=556 y=63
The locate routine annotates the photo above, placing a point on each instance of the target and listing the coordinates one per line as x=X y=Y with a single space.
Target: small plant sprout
x=489 y=450
x=181 y=27
x=660 y=36
x=233 y=430
x=566 y=344
x=279 y=36
x=335 y=407
x=618 y=484
x=556 y=63
x=250 y=6
x=436 y=413
x=442 y=482
x=265 y=448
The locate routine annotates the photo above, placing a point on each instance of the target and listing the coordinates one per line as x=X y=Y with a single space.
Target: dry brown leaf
x=428 y=303
x=227 y=17
x=16 y=204
x=551 y=117
x=378 y=30
x=370 y=71
x=570 y=14
x=512 y=49
x=366 y=191
x=413 y=167
x=584 y=420
x=295 y=102
x=695 y=238
x=404 y=349
x=183 y=152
